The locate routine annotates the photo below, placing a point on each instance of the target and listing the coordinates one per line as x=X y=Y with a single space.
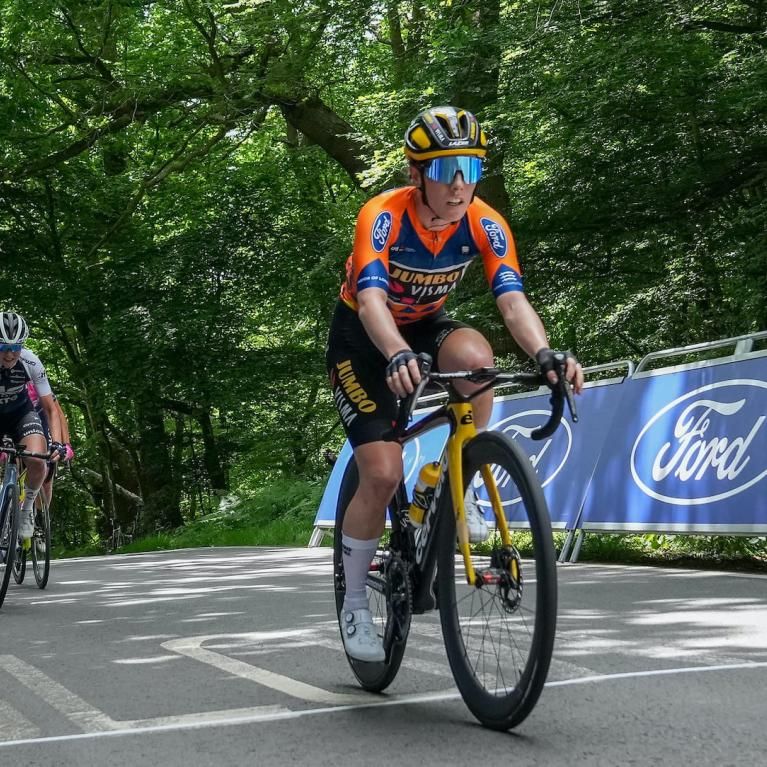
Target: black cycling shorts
x=21 y=423
x=357 y=370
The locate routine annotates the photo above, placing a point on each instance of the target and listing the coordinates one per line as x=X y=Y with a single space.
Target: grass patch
x=722 y=552
x=282 y=514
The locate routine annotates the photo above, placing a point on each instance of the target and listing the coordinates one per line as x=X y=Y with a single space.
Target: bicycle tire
x=373 y=677
x=514 y=687
x=20 y=566
x=9 y=538
x=41 y=543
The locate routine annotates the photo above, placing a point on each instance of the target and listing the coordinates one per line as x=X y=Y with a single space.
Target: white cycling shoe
x=361 y=639
x=26 y=524
x=475 y=520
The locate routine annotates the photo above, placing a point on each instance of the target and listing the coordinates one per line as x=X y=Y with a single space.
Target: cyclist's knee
x=465 y=349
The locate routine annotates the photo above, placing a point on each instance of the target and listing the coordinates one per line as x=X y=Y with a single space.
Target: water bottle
x=423 y=492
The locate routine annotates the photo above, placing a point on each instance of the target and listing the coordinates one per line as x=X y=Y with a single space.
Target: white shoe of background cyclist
x=26 y=524
x=475 y=520
x=361 y=640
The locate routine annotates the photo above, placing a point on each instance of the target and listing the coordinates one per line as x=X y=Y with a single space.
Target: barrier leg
x=317 y=535
x=577 y=547
x=566 y=546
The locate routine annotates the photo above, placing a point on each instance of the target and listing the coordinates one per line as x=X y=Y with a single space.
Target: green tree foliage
x=179 y=182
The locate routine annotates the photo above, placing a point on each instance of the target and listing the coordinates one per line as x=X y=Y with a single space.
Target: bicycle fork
x=462 y=432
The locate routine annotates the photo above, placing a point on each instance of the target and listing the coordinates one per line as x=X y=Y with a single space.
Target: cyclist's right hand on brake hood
x=403 y=373
x=550 y=362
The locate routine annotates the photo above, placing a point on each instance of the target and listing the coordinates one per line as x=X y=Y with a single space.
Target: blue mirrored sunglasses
x=443 y=169
x=11 y=347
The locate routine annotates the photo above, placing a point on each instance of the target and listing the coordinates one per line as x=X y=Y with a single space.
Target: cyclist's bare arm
x=379 y=324
x=47 y=403
x=526 y=328
x=63 y=424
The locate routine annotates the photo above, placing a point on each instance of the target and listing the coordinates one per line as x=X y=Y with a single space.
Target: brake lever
x=565 y=386
x=570 y=401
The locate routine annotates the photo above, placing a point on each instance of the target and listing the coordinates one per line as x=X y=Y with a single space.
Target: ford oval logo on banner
x=706 y=445
x=547 y=456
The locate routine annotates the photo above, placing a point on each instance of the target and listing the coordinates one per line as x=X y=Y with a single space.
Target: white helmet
x=13 y=328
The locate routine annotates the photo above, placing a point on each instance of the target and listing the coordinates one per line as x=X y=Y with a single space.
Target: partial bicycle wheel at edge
x=499 y=634
x=9 y=537
x=41 y=545
x=382 y=582
x=20 y=566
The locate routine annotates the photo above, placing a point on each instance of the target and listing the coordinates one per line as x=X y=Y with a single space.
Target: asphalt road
x=232 y=656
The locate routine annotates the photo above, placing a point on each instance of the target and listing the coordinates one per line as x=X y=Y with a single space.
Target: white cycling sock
x=29 y=498
x=357 y=556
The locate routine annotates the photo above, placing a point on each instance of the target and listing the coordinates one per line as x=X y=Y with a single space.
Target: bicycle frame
x=10 y=478
x=458 y=413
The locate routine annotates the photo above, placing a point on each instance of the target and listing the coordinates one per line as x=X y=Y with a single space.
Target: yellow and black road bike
x=497 y=601
x=12 y=548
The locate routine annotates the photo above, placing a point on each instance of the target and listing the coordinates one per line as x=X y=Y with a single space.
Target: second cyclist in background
x=18 y=417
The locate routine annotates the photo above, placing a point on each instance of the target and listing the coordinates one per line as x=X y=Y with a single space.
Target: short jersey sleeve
x=496 y=245
x=370 y=256
x=36 y=372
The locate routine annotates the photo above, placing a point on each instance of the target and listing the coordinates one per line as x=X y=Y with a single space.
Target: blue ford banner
x=688 y=453
x=564 y=462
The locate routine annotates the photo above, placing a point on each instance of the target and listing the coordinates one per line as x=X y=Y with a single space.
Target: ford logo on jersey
x=497 y=237
x=381 y=230
x=706 y=445
x=548 y=456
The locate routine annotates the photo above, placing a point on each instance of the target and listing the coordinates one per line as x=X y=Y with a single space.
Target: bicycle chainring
x=399 y=601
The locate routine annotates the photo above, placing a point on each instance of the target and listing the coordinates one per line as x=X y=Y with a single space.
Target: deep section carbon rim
x=41 y=546
x=499 y=633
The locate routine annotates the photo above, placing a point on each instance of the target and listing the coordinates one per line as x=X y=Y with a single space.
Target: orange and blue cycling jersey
x=419 y=268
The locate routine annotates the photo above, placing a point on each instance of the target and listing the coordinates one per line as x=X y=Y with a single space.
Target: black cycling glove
x=398 y=360
x=57 y=447
x=548 y=359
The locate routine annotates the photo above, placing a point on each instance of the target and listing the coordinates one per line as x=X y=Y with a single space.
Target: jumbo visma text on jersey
x=419 y=268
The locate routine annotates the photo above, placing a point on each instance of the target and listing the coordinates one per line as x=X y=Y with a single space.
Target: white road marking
x=191 y=647
x=183 y=721
x=257 y=715
x=13 y=725
x=140 y=661
x=72 y=706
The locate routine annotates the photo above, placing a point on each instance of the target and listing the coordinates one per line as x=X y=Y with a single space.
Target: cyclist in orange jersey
x=411 y=248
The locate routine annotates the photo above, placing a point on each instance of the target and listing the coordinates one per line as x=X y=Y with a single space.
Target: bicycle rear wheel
x=499 y=633
x=41 y=544
x=20 y=565
x=9 y=538
x=389 y=595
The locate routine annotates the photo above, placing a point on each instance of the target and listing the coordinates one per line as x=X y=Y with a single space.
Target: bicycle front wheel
x=9 y=538
x=389 y=596
x=41 y=545
x=499 y=633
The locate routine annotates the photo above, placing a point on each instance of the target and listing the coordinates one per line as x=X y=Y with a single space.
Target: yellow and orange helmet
x=442 y=132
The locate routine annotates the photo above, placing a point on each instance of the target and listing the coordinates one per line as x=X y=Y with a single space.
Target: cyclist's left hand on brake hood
x=550 y=361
